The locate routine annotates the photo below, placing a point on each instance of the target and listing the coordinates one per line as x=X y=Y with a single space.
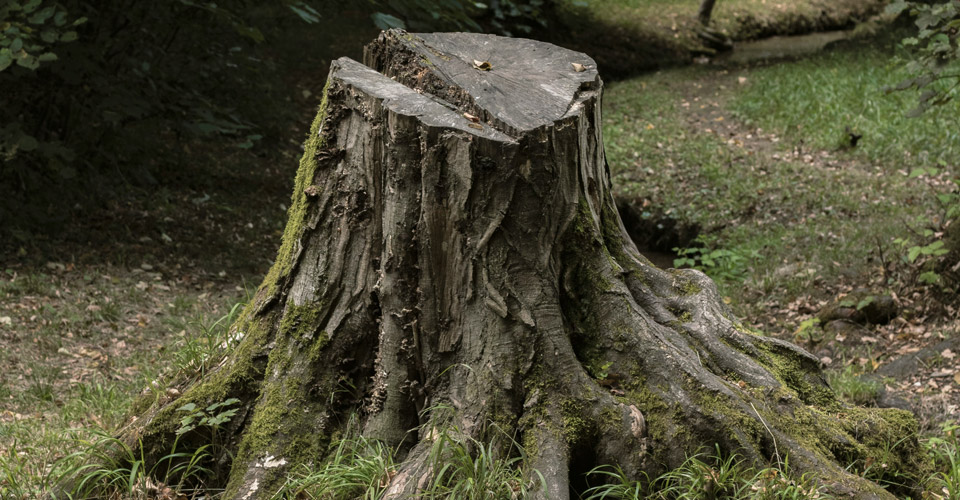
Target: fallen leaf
x=476 y=126
x=472 y=118
x=579 y=68
x=948 y=354
x=482 y=65
x=6 y=320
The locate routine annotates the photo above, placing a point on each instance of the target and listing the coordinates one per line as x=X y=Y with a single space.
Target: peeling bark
x=453 y=240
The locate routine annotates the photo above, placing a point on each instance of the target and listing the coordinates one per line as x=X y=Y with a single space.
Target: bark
x=453 y=241
x=705 y=11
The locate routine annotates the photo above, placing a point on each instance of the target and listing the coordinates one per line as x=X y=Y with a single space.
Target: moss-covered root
x=153 y=430
x=663 y=342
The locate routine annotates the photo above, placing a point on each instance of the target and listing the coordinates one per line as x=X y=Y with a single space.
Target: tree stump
x=453 y=242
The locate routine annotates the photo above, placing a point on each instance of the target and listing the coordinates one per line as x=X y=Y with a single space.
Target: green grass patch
x=799 y=215
x=703 y=475
x=80 y=344
x=816 y=100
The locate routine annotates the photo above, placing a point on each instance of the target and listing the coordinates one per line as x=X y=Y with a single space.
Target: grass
x=105 y=467
x=852 y=387
x=469 y=469
x=770 y=199
x=792 y=217
x=358 y=469
x=817 y=99
x=462 y=468
x=706 y=476
x=81 y=344
x=945 y=451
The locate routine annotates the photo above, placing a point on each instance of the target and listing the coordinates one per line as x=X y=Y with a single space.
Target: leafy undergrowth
x=812 y=193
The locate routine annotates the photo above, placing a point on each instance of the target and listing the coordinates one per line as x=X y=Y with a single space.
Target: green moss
x=731 y=413
x=790 y=370
x=300 y=322
x=662 y=420
x=575 y=425
x=611 y=419
x=316 y=349
x=299 y=203
x=285 y=422
x=683 y=285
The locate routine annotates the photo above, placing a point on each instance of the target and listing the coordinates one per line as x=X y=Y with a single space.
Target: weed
x=198 y=352
x=720 y=264
x=700 y=476
x=107 y=466
x=358 y=469
x=945 y=451
x=852 y=387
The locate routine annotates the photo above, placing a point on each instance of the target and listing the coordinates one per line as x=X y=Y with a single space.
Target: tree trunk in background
x=705 y=11
x=453 y=242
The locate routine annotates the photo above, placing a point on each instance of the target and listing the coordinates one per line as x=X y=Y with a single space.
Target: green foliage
x=30 y=32
x=921 y=253
x=852 y=387
x=945 y=451
x=107 y=466
x=700 y=476
x=203 y=343
x=99 y=95
x=933 y=68
x=359 y=468
x=718 y=263
x=206 y=417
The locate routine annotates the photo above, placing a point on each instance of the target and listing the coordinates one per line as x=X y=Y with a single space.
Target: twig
x=776 y=451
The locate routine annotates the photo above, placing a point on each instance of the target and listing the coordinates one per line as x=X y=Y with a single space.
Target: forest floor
x=793 y=221
x=801 y=220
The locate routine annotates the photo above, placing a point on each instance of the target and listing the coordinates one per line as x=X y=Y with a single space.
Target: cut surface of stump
x=454 y=256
